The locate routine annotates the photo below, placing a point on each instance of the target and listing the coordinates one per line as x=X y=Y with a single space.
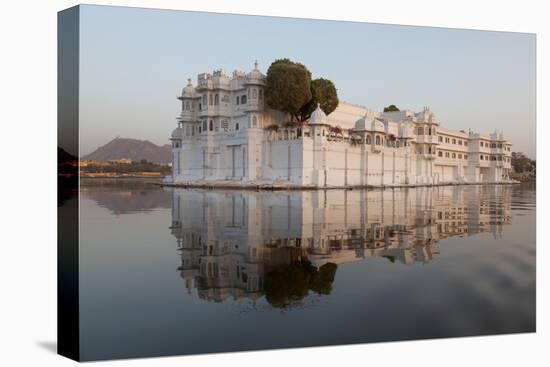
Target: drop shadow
x=50 y=346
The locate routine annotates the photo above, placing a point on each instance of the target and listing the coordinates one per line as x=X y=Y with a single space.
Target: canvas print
x=234 y=182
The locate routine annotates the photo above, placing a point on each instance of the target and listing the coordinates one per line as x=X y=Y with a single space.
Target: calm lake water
x=174 y=271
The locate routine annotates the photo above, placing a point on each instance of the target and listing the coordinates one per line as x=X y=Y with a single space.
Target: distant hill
x=64 y=157
x=133 y=149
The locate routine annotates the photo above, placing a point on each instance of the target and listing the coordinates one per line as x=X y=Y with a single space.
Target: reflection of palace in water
x=230 y=241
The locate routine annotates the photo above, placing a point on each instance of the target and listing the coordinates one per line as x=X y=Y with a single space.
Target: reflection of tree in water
x=292 y=282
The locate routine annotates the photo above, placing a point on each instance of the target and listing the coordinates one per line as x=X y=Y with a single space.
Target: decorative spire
x=189 y=82
x=318 y=116
x=256 y=64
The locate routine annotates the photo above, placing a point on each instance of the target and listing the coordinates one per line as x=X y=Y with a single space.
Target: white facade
x=227 y=135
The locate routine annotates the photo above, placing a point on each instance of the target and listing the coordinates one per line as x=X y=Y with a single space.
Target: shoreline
x=283 y=187
x=121 y=178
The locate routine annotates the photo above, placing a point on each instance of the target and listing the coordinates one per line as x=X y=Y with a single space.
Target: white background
x=28 y=182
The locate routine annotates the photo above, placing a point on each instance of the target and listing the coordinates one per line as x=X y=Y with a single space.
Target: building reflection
x=286 y=244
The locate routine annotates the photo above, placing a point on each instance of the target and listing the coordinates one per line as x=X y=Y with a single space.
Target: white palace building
x=228 y=136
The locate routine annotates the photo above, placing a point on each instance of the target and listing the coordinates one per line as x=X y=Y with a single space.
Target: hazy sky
x=133 y=63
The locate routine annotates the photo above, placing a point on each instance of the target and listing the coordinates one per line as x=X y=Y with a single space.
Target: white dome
x=188 y=90
x=377 y=125
x=318 y=116
x=255 y=75
x=177 y=133
x=363 y=123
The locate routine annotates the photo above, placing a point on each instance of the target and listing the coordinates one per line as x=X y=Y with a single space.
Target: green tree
x=391 y=108
x=285 y=61
x=323 y=92
x=287 y=284
x=321 y=280
x=288 y=86
x=292 y=282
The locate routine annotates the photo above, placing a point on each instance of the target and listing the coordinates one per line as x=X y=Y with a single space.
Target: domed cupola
x=188 y=91
x=255 y=76
x=363 y=124
x=177 y=133
x=318 y=117
x=377 y=126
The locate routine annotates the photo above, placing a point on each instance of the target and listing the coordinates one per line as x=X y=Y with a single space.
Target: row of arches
x=213 y=99
x=425 y=130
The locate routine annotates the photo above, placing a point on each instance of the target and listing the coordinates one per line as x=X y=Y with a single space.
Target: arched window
x=200 y=129
x=204 y=125
x=261 y=94
x=238 y=100
x=237 y=126
x=397 y=144
x=368 y=139
x=187 y=106
x=420 y=131
x=210 y=99
x=254 y=93
x=377 y=139
x=243 y=99
x=211 y=126
x=204 y=99
x=216 y=99
x=254 y=121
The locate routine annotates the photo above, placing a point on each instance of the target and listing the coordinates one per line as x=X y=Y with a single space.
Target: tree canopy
x=323 y=92
x=292 y=282
x=289 y=88
x=391 y=108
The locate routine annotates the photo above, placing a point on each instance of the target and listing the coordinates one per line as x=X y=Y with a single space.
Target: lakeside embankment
x=154 y=175
x=524 y=176
x=273 y=186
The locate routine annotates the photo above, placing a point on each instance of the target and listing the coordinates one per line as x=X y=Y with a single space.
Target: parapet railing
x=331 y=135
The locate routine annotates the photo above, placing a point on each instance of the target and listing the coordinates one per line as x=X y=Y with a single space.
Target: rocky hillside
x=133 y=149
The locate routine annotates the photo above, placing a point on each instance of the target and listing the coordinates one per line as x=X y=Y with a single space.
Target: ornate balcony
x=376 y=148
